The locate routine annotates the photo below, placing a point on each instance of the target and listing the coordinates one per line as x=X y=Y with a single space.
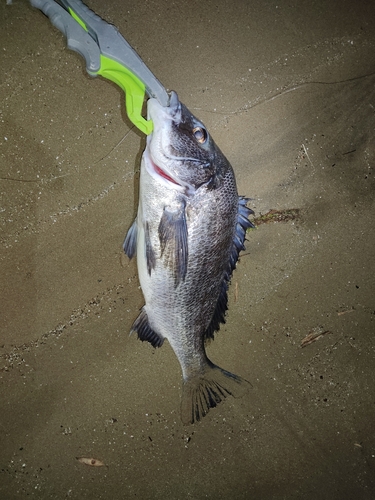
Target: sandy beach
x=287 y=90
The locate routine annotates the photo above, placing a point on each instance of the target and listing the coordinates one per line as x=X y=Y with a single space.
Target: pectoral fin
x=130 y=243
x=173 y=237
x=150 y=254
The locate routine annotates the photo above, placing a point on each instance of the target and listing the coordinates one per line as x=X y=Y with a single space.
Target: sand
x=287 y=89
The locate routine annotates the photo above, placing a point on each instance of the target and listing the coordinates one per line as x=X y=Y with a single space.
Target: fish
x=187 y=235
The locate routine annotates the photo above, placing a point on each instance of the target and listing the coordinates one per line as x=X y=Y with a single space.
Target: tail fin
x=206 y=391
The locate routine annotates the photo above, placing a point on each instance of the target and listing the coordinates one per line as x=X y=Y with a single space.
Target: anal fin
x=144 y=330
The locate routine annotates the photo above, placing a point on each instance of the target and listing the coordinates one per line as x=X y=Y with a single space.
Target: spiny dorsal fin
x=242 y=225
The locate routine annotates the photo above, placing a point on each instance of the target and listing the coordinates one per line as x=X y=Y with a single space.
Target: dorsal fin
x=242 y=225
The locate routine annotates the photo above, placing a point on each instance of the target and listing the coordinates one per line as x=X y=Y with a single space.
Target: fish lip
x=164 y=176
x=169 y=112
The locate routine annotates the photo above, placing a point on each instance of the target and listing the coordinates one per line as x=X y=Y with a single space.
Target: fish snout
x=161 y=114
x=174 y=103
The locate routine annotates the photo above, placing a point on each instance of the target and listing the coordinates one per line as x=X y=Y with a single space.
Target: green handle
x=133 y=87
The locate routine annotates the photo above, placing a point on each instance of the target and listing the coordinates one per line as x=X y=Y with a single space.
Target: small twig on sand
x=313 y=337
x=307 y=154
x=340 y=313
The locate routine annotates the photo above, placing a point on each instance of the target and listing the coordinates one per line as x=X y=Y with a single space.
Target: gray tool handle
x=113 y=45
x=77 y=38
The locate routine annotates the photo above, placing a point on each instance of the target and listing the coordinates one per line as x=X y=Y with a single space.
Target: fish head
x=180 y=152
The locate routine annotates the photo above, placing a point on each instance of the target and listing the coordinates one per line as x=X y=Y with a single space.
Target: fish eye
x=200 y=134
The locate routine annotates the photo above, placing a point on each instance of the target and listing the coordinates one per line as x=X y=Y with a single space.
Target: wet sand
x=287 y=89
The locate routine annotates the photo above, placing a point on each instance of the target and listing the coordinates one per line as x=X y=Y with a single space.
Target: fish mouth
x=163 y=173
x=165 y=177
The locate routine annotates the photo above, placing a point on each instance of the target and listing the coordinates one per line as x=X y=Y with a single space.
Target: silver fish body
x=189 y=230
